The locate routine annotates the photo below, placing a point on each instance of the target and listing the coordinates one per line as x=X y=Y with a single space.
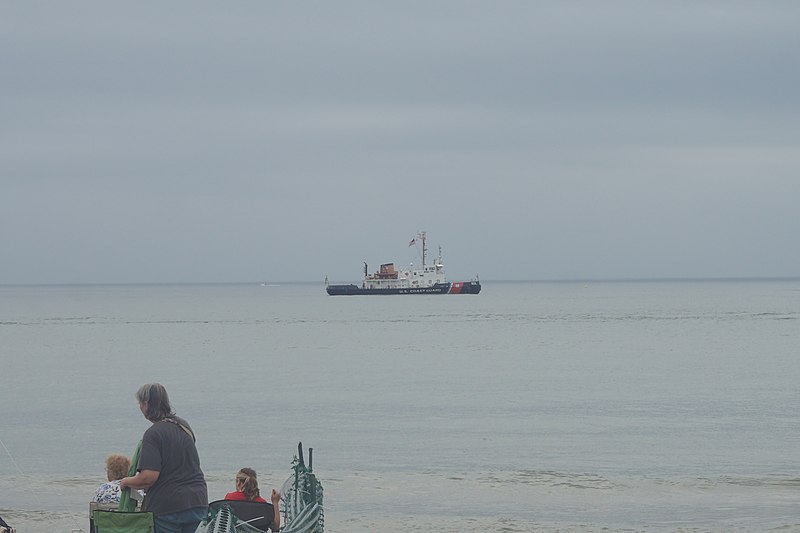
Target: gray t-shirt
x=169 y=450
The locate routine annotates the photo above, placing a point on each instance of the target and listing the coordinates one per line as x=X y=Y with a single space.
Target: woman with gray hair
x=169 y=466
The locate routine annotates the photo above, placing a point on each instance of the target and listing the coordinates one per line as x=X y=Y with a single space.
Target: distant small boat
x=428 y=279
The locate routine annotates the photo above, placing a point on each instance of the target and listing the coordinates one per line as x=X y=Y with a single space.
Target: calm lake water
x=599 y=406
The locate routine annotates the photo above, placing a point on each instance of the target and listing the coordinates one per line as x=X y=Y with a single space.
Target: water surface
x=646 y=406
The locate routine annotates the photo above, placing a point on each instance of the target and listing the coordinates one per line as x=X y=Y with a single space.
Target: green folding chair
x=122 y=522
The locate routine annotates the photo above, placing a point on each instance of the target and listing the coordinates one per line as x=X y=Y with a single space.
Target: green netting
x=302 y=494
x=121 y=522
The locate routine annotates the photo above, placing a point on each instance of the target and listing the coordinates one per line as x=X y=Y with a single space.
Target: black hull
x=465 y=287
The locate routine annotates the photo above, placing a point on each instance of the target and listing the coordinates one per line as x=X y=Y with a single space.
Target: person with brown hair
x=247 y=490
x=116 y=468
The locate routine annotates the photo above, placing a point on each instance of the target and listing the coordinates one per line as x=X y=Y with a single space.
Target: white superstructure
x=409 y=277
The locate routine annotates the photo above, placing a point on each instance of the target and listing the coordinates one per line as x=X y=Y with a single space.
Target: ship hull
x=460 y=287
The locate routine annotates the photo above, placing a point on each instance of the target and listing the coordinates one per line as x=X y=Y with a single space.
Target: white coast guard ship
x=427 y=279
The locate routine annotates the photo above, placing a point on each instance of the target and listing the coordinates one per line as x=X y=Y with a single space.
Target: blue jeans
x=181 y=522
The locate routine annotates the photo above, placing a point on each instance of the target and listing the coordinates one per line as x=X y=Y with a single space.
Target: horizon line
x=306 y=282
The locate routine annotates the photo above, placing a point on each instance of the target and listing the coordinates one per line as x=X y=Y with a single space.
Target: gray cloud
x=207 y=142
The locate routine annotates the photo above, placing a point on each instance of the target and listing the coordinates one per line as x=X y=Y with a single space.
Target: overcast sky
x=264 y=141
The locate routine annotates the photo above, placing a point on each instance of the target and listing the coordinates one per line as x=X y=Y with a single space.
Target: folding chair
x=122 y=522
x=256 y=514
x=95 y=506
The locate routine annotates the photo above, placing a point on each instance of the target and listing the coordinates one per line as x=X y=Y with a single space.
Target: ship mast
x=421 y=235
